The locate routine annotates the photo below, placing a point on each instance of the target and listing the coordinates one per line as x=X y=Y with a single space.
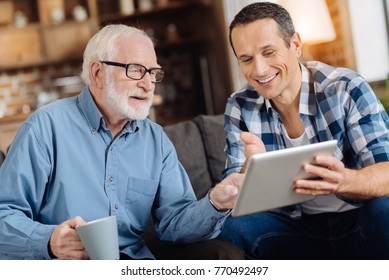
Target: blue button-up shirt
x=335 y=103
x=64 y=163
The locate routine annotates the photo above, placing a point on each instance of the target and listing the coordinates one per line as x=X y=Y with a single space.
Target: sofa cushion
x=2 y=157
x=214 y=138
x=188 y=142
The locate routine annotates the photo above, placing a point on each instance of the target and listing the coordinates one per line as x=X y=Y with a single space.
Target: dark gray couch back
x=200 y=149
x=2 y=157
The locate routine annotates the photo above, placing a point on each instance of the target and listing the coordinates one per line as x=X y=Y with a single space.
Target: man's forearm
x=369 y=182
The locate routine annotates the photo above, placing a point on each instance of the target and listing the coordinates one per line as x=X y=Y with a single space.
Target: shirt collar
x=93 y=115
x=307 y=92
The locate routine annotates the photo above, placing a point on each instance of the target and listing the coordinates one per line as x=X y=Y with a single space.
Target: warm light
x=311 y=19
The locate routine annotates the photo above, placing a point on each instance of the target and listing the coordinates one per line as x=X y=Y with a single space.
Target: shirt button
x=214 y=219
x=110 y=178
x=116 y=206
x=111 y=148
x=93 y=130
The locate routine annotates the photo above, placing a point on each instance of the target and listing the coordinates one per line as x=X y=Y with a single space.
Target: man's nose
x=146 y=83
x=261 y=66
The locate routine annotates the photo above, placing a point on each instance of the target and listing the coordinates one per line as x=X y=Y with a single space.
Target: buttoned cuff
x=39 y=241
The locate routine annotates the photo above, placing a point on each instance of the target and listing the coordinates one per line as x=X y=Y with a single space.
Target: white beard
x=120 y=102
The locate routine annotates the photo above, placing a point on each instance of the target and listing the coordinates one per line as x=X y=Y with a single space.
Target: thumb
x=249 y=138
x=230 y=190
x=252 y=144
x=76 y=221
x=227 y=190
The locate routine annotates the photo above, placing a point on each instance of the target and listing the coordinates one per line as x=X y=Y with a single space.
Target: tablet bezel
x=268 y=182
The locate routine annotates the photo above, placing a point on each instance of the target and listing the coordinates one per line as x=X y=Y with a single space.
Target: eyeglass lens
x=137 y=72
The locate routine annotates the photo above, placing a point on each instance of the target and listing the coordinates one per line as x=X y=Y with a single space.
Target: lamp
x=311 y=19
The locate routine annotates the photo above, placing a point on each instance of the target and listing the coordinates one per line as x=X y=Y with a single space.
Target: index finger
x=329 y=162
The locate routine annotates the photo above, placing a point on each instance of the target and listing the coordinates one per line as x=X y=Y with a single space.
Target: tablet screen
x=268 y=183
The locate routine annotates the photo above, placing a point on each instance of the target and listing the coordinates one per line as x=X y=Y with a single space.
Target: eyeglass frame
x=125 y=66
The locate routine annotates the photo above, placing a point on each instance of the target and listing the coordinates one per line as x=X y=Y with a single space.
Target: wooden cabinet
x=67 y=41
x=190 y=37
x=8 y=128
x=21 y=47
x=44 y=31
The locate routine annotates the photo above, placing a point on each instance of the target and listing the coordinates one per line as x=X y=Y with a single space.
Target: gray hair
x=102 y=46
x=264 y=10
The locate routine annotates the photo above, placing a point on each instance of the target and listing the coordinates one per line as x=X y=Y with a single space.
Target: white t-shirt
x=321 y=203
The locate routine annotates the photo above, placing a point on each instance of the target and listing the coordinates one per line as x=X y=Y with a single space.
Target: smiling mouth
x=267 y=80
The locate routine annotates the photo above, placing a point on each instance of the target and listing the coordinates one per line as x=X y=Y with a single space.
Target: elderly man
x=96 y=155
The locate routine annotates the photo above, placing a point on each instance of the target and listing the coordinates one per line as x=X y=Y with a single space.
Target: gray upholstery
x=200 y=148
x=2 y=157
x=214 y=139
x=188 y=142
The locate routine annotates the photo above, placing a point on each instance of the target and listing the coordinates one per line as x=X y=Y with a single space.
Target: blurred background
x=42 y=43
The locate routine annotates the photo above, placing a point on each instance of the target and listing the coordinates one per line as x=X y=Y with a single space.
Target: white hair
x=102 y=46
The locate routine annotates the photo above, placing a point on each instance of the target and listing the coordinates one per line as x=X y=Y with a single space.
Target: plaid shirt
x=335 y=103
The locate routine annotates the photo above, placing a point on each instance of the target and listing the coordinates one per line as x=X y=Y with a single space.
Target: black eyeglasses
x=137 y=72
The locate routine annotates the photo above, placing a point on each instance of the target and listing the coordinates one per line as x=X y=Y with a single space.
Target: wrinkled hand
x=224 y=194
x=65 y=242
x=252 y=145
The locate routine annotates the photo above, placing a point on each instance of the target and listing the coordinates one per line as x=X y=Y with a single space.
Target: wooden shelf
x=14 y=118
x=116 y=16
x=41 y=42
x=180 y=43
x=190 y=44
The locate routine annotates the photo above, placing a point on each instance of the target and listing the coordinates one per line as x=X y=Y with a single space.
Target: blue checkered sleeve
x=335 y=103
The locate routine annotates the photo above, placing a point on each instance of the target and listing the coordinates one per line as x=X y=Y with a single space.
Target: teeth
x=267 y=80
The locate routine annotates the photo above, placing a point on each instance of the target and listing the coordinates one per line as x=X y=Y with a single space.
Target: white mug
x=100 y=238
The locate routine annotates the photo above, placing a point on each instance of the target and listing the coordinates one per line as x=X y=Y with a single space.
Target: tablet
x=268 y=183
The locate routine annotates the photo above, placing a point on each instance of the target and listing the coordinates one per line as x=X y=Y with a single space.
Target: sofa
x=200 y=148
x=2 y=157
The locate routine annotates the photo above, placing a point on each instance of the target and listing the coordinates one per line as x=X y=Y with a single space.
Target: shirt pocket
x=139 y=200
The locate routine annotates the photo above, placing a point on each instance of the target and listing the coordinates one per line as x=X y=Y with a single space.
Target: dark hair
x=263 y=10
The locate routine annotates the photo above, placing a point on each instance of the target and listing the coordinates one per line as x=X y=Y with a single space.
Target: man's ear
x=296 y=44
x=96 y=74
